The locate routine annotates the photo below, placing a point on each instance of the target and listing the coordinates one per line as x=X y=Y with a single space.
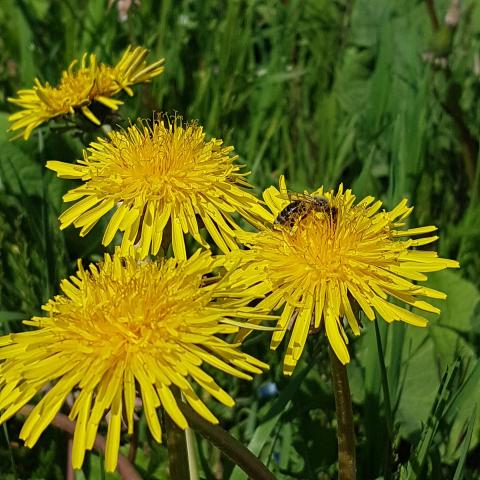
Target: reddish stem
x=124 y=467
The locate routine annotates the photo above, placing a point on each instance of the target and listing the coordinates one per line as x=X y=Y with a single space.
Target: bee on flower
x=299 y=207
x=325 y=251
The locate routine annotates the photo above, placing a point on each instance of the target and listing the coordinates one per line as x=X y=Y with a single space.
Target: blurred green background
x=379 y=95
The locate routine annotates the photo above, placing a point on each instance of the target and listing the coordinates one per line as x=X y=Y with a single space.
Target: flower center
x=148 y=312
x=153 y=163
x=323 y=248
x=70 y=93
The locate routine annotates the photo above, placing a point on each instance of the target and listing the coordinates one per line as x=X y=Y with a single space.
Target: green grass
x=325 y=92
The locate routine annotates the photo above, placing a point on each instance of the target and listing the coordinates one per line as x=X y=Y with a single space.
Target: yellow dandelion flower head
x=80 y=86
x=326 y=253
x=120 y=329
x=154 y=174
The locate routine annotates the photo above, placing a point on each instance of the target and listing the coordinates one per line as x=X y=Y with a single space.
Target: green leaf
x=414 y=469
x=462 y=298
x=264 y=430
x=459 y=473
x=18 y=172
x=8 y=316
x=430 y=350
x=4 y=124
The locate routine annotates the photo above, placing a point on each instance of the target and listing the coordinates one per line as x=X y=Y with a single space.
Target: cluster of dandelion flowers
x=80 y=86
x=120 y=328
x=155 y=175
x=331 y=257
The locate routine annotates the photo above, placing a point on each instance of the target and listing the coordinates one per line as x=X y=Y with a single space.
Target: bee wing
x=295 y=196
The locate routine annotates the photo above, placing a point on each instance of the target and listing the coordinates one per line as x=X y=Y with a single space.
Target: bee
x=300 y=206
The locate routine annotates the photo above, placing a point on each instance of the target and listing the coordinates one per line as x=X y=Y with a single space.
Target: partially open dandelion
x=121 y=329
x=318 y=263
x=156 y=175
x=81 y=86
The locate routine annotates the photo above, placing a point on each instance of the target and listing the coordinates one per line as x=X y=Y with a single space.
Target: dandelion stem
x=177 y=450
x=228 y=445
x=192 y=458
x=345 y=431
x=70 y=475
x=132 y=449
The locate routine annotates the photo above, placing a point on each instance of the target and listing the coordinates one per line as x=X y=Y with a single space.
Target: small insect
x=312 y=330
x=300 y=207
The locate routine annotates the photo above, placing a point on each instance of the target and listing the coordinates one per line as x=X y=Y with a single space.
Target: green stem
x=229 y=445
x=177 y=450
x=387 y=401
x=192 y=458
x=345 y=431
x=132 y=449
x=10 y=451
x=452 y=106
x=383 y=373
x=432 y=14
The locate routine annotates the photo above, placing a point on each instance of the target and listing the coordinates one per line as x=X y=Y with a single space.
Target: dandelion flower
x=326 y=259
x=79 y=87
x=120 y=329
x=157 y=174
